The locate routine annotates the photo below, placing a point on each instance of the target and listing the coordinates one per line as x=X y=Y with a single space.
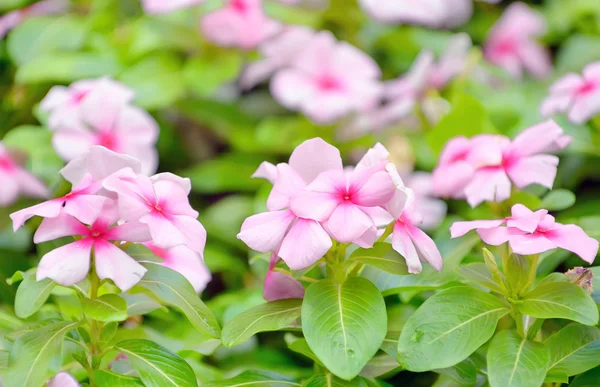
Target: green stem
x=388 y=231
x=95 y=329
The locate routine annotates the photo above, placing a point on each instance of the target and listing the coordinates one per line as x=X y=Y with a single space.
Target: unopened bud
x=582 y=277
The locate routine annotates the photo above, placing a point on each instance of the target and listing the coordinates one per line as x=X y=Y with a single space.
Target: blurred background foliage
x=217 y=135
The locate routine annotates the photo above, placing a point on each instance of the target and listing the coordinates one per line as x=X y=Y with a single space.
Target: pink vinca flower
x=70 y=263
x=482 y=168
x=67 y=106
x=185 y=261
x=511 y=43
x=14 y=18
x=240 y=23
x=529 y=232
x=161 y=6
x=328 y=80
x=279 y=286
x=116 y=126
x=577 y=95
x=63 y=379
x=162 y=203
x=279 y=52
x=17 y=181
x=432 y=210
x=86 y=173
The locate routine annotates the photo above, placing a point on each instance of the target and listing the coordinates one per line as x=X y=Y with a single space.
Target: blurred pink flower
x=240 y=23
x=529 y=232
x=577 y=95
x=279 y=286
x=511 y=43
x=17 y=181
x=70 y=263
x=12 y=19
x=185 y=261
x=164 y=6
x=278 y=53
x=162 y=203
x=63 y=379
x=482 y=168
x=328 y=80
x=432 y=210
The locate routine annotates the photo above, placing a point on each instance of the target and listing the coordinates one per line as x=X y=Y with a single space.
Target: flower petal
x=573 y=238
x=287 y=185
x=377 y=191
x=459 y=229
x=264 y=232
x=49 y=209
x=537 y=169
x=189 y=264
x=68 y=264
x=490 y=185
x=347 y=223
x=193 y=232
x=426 y=248
x=58 y=227
x=403 y=244
x=528 y=244
x=314 y=156
x=113 y=263
x=304 y=244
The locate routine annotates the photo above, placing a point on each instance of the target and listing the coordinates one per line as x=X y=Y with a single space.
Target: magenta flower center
x=587 y=88
x=78 y=97
x=507 y=46
x=6 y=164
x=239 y=6
x=108 y=140
x=328 y=83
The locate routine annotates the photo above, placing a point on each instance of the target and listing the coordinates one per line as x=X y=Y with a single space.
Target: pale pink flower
x=577 y=95
x=164 y=6
x=511 y=43
x=17 y=181
x=529 y=232
x=279 y=286
x=48 y=7
x=70 y=263
x=432 y=210
x=328 y=80
x=185 y=261
x=162 y=203
x=278 y=53
x=482 y=168
x=63 y=379
x=68 y=106
x=240 y=23
x=86 y=174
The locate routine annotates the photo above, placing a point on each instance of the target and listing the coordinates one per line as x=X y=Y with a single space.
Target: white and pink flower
x=17 y=181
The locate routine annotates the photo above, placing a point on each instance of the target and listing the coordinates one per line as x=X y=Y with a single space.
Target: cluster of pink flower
x=481 y=168
x=47 y=7
x=16 y=180
x=112 y=203
x=314 y=198
x=99 y=112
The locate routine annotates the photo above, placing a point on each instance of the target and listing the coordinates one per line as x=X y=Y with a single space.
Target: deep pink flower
x=12 y=19
x=529 y=232
x=279 y=52
x=577 y=95
x=482 y=168
x=328 y=80
x=240 y=23
x=511 y=43
x=162 y=203
x=70 y=263
x=63 y=379
x=185 y=261
x=279 y=286
x=17 y=181
x=162 y=6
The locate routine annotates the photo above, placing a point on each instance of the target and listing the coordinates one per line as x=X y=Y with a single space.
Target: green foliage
x=381 y=256
x=110 y=379
x=557 y=200
x=249 y=378
x=31 y=295
x=107 y=308
x=344 y=324
x=573 y=350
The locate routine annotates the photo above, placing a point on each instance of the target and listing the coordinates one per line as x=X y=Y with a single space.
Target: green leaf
x=467 y=118
x=331 y=381
x=299 y=345
x=271 y=316
x=381 y=256
x=558 y=200
x=344 y=324
x=109 y=331
x=464 y=373
x=573 y=350
x=174 y=289
x=516 y=362
x=107 y=308
x=110 y=379
x=204 y=75
x=31 y=295
x=380 y=365
x=4 y=358
x=521 y=273
x=67 y=67
x=157 y=81
x=490 y=262
x=34 y=353
x=227 y=173
x=140 y=303
x=255 y=378
x=588 y=379
x=560 y=300
x=157 y=366
x=478 y=273
x=38 y=36
x=576 y=52
x=440 y=333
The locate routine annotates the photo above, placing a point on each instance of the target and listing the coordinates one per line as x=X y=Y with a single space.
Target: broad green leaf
x=299 y=345
x=41 y=35
x=227 y=173
x=478 y=273
x=255 y=378
x=4 y=358
x=560 y=300
x=330 y=380
x=35 y=353
x=157 y=81
x=380 y=365
x=174 y=289
x=464 y=373
x=576 y=52
x=271 y=316
x=142 y=253
x=573 y=350
x=381 y=256
x=107 y=308
x=440 y=333
x=204 y=74
x=31 y=295
x=140 y=303
x=516 y=362
x=588 y=379
x=104 y=378
x=344 y=324
x=557 y=200
x=224 y=218
x=109 y=331
x=157 y=366
x=67 y=67
x=520 y=274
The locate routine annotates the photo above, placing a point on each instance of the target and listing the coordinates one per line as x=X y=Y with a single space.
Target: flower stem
x=94 y=327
